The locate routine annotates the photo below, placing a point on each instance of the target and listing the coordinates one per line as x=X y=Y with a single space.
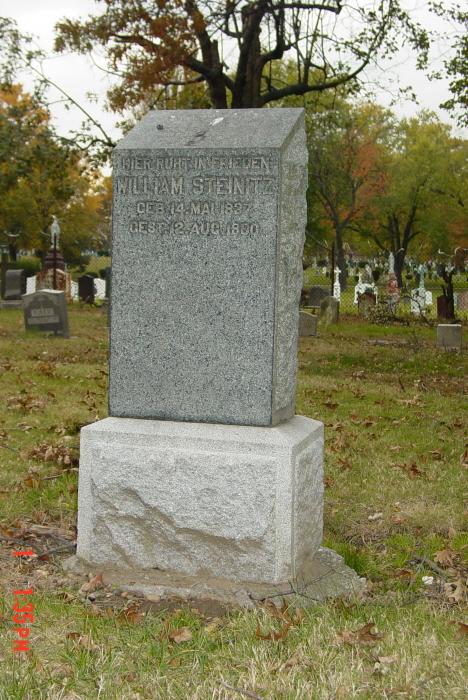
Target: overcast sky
x=79 y=76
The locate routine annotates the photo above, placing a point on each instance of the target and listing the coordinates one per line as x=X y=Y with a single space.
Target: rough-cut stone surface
x=307 y=324
x=240 y=502
x=209 y=215
x=329 y=577
x=449 y=336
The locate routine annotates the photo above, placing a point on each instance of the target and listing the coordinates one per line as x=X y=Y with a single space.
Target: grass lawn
x=396 y=466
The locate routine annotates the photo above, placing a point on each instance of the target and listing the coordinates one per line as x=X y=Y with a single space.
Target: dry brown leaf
x=437 y=454
x=456 y=591
x=132 y=614
x=462 y=630
x=179 y=635
x=364 y=635
x=273 y=635
x=93 y=584
x=387 y=660
x=445 y=557
x=82 y=640
x=330 y=404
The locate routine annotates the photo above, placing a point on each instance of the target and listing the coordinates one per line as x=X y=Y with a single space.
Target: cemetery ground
x=395 y=467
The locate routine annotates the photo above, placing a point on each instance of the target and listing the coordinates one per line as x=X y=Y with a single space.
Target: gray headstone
x=15 y=284
x=317 y=295
x=329 y=310
x=307 y=324
x=208 y=229
x=46 y=310
x=449 y=336
x=86 y=288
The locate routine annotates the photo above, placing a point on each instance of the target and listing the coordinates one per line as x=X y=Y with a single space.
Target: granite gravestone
x=46 y=310
x=209 y=215
x=449 y=336
x=15 y=285
x=208 y=229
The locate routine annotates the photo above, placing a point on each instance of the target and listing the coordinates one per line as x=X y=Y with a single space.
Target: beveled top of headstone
x=212 y=128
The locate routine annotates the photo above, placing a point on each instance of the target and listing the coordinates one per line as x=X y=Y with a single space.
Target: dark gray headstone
x=46 y=310
x=15 y=284
x=208 y=229
x=329 y=310
x=316 y=295
x=86 y=289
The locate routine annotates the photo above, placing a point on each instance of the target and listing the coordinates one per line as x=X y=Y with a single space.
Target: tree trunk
x=340 y=259
x=399 y=265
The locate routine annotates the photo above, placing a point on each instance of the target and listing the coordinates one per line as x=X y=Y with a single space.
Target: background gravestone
x=86 y=289
x=15 y=284
x=46 y=310
x=307 y=324
x=316 y=295
x=206 y=272
x=329 y=310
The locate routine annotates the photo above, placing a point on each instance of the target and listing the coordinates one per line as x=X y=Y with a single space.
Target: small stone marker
x=449 y=336
x=366 y=302
x=307 y=324
x=15 y=285
x=329 y=310
x=86 y=289
x=317 y=295
x=46 y=310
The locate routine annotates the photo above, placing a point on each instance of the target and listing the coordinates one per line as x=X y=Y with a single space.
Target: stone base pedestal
x=234 y=502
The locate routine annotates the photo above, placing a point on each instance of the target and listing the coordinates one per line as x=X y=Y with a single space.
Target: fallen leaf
x=462 y=630
x=273 y=635
x=364 y=635
x=437 y=454
x=445 y=557
x=456 y=591
x=82 y=640
x=179 y=635
x=387 y=660
x=93 y=584
x=132 y=614
x=395 y=448
x=330 y=404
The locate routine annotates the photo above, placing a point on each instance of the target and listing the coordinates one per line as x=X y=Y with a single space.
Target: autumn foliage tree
x=346 y=173
x=232 y=46
x=424 y=206
x=40 y=175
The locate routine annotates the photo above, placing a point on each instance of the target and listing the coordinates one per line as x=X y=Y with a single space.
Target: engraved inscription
x=198 y=195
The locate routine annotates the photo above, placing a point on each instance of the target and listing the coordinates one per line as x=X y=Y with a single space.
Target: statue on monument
x=54 y=232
